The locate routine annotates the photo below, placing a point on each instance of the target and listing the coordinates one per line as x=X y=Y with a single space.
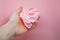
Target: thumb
x=15 y=14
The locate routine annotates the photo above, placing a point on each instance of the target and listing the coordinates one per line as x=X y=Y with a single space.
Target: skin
x=14 y=26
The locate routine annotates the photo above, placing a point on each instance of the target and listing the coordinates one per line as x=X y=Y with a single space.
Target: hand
x=14 y=26
x=8 y=30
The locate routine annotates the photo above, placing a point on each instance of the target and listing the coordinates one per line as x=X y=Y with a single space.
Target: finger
x=15 y=15
x=38 y=18
x=19 y=10
x=33 y=26
x=35 y=23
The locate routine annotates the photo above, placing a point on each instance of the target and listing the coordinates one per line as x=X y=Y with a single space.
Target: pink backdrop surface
x=49 y=24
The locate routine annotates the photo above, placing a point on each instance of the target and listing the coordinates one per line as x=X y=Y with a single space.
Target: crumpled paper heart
x=29 y=17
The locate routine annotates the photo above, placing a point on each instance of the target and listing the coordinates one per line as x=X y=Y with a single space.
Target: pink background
x=49 y=24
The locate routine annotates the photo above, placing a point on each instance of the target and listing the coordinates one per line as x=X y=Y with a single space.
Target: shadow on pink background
x=49 y=24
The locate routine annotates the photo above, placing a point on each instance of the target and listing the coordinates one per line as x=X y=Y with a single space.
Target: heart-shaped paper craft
x=29 y=17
